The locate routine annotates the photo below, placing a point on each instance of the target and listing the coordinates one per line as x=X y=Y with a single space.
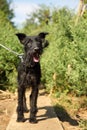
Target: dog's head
x=33 y=45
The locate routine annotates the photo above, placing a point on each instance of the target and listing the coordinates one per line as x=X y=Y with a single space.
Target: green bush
x=8 y=61
x=66 y=56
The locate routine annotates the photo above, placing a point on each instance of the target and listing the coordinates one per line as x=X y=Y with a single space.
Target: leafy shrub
x=8 y=61
x=66 y=57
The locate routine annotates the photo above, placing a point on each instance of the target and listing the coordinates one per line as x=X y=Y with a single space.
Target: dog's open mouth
x=36 y=57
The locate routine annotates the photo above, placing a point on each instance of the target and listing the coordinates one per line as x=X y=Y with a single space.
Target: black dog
x=29 y=73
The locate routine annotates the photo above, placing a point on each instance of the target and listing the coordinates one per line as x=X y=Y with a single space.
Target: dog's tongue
x=36 y=58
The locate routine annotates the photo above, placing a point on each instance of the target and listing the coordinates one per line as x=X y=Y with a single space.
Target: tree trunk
x=80 y=8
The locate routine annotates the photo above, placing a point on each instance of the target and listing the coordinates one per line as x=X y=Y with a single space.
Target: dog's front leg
x=25 y=109
x=33 y=104
x=20 y=115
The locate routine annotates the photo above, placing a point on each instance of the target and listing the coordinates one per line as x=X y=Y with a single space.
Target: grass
x=83 y=124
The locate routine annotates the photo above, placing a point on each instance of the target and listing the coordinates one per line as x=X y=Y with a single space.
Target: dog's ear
x=21 y=37
x=42 y=35
x=45 y=43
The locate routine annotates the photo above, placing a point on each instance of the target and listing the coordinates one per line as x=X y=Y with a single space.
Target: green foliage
x=66 y=56
x=83 y=124
x=8 y=61
x=5 y=7
x=85 y=1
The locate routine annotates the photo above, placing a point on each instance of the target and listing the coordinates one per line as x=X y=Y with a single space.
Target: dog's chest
x=32 y=75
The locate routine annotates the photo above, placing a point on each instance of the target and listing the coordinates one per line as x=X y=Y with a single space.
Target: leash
x=17 y=54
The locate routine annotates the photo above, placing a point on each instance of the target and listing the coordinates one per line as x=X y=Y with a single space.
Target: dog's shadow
x=49 y=113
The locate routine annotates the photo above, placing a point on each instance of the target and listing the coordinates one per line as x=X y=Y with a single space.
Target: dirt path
x=46 y=117
x=7 y=105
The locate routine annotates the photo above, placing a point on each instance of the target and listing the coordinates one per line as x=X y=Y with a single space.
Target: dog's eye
x=30 y=41
x=38 y=40
x=29 y=44
x=39 y=44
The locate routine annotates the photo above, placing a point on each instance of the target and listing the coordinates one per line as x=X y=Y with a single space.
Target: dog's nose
x=36 y=49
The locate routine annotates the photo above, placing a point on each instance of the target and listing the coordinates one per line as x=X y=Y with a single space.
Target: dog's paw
x=33 y=120
x=21 y=120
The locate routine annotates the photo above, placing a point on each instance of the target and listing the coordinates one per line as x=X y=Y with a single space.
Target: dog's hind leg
x=33 y=104
x=20 y=114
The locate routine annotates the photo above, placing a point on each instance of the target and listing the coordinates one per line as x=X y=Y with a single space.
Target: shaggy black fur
x=29 y=73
